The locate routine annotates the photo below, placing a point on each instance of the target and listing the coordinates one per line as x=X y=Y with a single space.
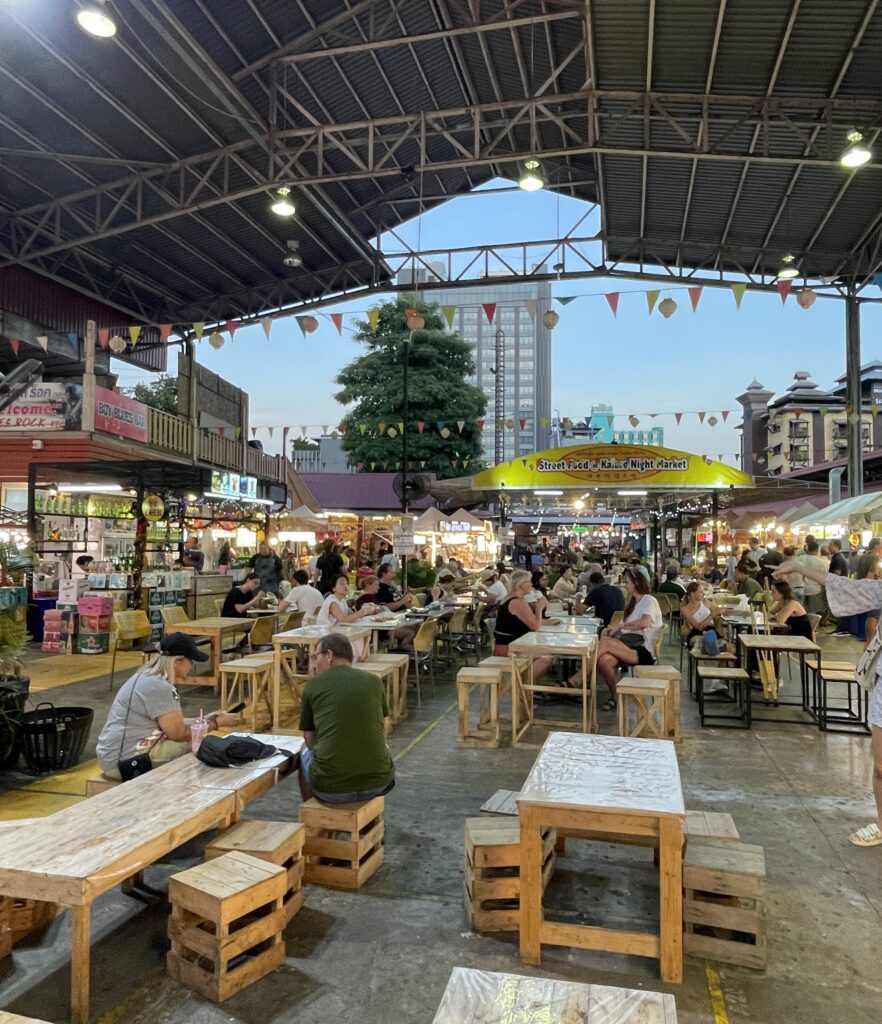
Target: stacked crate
x=344 y=842
x=94 y=631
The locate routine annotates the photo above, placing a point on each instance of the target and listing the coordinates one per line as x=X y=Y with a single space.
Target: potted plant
x=14 y=685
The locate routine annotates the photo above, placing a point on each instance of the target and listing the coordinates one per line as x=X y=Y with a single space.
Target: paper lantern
x=712 y=421
x=550 y=319
x=805 y=298
x=416 y=322
x=634 y=421
x=445 y=432
x=667 y=308
x=309 y=324
x=391 y=432
x=117 y=344
x=216 y=340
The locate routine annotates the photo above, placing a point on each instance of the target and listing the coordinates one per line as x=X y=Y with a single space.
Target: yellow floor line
x=718 y=1000
x=423 y=734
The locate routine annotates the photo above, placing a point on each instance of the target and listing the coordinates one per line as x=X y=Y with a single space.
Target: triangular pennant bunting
x=565 y=300
x=198 y=328
x=725 y=414
x=134 y=334
x=373 y=316
x=459 y=425
x=652 y=298
x=164 y=332
x=103 y=336
x=480 y=424
x=738 y=291
x=701 y=416
x=489 y=310
x=337 y=321
x=694 y=296
x=678 y=416
x=421 y=425
x=449 y=313
x=266 y=322
x=613 y=299
x=74 y=341
x=784 y=287
x=231 y=326
x=301 y=323
x=16 y=345
x=43 y=342
x=530 y=306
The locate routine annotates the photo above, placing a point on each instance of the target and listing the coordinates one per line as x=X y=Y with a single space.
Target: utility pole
x=855 y=427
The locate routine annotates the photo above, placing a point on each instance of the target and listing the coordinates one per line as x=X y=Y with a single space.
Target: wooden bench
x=73 y=856
x=343 y=863
x=226 y=924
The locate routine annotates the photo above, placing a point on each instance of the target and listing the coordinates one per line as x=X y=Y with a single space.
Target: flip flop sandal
x=609 y=705
x=869 y=835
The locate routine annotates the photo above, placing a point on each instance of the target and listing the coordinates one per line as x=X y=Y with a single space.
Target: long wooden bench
x=75 y=855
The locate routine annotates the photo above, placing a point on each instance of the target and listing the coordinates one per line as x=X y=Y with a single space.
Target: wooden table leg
x=217 y=646
x=670 y=842
x=585 y=714
x=531 y=886
x=277 y=683
x=81 y=940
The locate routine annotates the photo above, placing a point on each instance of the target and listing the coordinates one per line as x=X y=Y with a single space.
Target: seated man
x=386 y=594
x=744 y=582
x=605 y=599
x=492 y=590
x=242 y=597
x=302 y=597
x=345 y=721
x=671 y=586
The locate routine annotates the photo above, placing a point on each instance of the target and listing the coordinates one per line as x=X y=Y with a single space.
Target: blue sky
x=635 y=362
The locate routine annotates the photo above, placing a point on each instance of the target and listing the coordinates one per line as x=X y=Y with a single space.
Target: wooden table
x=215 y=628
x=287 y=644
x=782 y=644
x=75 y=855
x=581 y=647
x=490 y=998
x=620 y=787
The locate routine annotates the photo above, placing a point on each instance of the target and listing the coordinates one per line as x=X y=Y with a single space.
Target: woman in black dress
x=786 y=610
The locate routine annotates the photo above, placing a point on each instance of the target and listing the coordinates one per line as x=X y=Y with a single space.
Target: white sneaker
x=869 y=835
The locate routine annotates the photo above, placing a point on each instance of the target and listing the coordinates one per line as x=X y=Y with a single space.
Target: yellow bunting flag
x=449 y=313
x=373 y=319
x=738 y=291
x=134 y=334
x=198 y=329
x=652 y=298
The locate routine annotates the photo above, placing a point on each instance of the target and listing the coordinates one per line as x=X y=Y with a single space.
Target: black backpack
x=232 y=751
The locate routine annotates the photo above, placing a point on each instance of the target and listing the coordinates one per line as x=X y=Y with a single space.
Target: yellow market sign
x=610 y=465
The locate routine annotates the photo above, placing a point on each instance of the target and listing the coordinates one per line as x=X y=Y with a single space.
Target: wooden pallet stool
x=724 y=915
x=226 y=924
x=27 y=917
x=716 y=825
x=648 y=697
x=673 y=678
x=390 y=675
x=253 y=674
x=402 y=663
x=279 y=842
x=739 y=680
x=697 y=658
x=5 y=927
x=487 y=731
x=343 y=863
x=492 y=872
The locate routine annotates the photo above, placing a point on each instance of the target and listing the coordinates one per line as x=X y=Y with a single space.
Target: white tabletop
x=606 y=773
x=553 y=638
x=312 y=632
x=485 y=997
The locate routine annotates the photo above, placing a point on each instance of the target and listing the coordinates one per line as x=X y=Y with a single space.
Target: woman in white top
x=634 y=641
x=565 y=586
x=851 y=597
x=335 y=610
x=696 y=613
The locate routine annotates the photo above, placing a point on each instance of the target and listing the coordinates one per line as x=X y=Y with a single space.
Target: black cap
x=180 y=645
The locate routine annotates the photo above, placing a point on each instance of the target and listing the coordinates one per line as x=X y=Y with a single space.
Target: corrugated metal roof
x=359 y=492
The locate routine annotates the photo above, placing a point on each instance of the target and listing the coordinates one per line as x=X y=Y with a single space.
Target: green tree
x=161 y=393
x=439 y=365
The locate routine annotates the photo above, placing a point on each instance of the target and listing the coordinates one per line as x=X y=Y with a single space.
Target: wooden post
x=88 y=415
x=81 y=939
x=531 y=885
x=670 y=836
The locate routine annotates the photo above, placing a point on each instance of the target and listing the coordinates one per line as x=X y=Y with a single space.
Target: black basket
x=53 y=738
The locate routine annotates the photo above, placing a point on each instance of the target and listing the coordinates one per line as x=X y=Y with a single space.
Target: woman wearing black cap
x=146 y=716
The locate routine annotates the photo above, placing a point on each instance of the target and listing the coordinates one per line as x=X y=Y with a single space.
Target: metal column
x=853 y=393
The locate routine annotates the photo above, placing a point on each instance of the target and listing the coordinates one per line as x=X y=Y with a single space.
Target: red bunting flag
x=454 y=463
x=221 y=431
x=164 y=332
x=522 y=423
x=231 y=327
x=613 y=299
x=797 y=413
x=16 y=345
x=104 y=336
x=725 y=414
x=784 y=287
x=678 y=416
x=342 y=427
x=381 y=427
x=337 y=321
x=694 y=296
x=480 y=424
x=421 y=425
x=490 y=311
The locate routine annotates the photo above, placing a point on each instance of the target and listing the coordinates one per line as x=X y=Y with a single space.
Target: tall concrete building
x=526 y=347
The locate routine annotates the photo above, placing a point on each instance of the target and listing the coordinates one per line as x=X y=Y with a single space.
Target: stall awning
x=429 y=520
x=855 y=512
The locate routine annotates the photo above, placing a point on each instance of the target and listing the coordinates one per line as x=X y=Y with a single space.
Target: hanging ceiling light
x=281 y=204
x=857 y=152
x=531 y=180
x=293 y=259
x=96 y=20
x=789 y=268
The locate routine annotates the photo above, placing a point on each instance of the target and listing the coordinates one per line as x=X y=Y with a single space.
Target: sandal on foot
x=869 y=835
x=608 y=705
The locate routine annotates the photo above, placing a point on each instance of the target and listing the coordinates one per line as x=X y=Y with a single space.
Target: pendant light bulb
x=281 y=205
x=531 y=180
x=789 y=268
x=856 y=153
x=96 y=20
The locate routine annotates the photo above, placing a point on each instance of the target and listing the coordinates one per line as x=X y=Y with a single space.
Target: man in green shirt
x=345 y=721
x=745 y=583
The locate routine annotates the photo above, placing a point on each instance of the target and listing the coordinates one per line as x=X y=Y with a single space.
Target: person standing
x=813 y=592
x=193 y=556
x=328 y=567
x=869 y=558
x=345 y=720
x=850 y=597
x=268 y=566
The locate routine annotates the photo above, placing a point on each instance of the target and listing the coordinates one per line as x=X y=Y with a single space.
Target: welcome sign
x=610 y=465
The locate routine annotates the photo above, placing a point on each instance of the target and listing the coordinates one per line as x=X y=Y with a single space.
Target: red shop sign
x=118 y=415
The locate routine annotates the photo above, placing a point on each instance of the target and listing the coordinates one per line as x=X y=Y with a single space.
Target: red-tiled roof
x=360 y=492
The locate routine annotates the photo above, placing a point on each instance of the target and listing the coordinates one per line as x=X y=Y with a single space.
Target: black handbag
x=137 y=764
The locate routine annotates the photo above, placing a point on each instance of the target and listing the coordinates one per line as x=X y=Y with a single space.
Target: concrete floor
x=384 y=953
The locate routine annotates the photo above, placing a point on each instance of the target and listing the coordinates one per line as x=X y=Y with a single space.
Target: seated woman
x=443 y=587
x=787 y=611
x=370 y=589
x=145 y=716
x=515 y=618
x=335 y=609
x=634 y=641
x=565 y=586
x=696 y=614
